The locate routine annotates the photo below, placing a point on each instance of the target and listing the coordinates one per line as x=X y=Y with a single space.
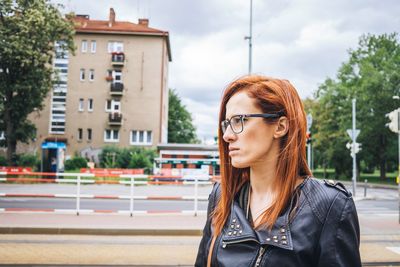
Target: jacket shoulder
x=322 y=194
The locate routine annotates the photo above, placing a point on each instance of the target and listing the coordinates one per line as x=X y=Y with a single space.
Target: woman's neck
x=262 y=177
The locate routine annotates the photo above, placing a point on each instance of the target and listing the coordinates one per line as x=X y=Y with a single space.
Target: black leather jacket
x=323 y=232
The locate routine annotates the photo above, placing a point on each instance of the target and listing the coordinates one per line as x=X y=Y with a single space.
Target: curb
x=360 y=184
x=103 y=231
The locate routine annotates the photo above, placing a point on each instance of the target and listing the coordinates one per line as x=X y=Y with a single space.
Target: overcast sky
x=304 y=41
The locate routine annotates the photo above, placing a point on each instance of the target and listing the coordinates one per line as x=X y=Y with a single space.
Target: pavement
x=101 y=224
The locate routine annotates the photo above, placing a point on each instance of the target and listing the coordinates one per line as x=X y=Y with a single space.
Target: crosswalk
x=378 y=207
x=394 y=249
x=376 y=211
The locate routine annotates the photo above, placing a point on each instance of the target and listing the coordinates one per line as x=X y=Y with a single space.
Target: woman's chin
x=238 y=164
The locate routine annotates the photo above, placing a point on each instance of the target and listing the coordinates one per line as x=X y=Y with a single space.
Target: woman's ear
x=282 y=127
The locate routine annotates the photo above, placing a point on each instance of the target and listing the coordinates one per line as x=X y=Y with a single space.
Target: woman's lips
x=233 y=150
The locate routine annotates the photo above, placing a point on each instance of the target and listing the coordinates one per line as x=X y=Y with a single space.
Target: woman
x=268 y=210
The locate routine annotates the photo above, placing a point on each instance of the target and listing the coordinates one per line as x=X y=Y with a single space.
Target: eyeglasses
x=236 y=122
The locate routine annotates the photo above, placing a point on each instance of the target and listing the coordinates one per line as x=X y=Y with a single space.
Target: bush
x=27 y=160
x=3 y=161
x=75 y=163
x=108 y=157
x=134 y=157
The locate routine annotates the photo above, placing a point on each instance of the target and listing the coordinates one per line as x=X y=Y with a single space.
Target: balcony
x=117 y=58
x=117 y=89
x=115 y=118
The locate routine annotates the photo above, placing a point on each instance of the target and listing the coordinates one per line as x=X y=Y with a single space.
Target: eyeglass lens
x=236 y=123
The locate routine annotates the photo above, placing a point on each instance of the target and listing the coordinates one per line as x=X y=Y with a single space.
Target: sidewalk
x=106 y=239
x=101 y=224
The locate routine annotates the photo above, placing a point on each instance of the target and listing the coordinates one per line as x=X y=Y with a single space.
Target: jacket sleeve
x=204 y=246
x=340 y=237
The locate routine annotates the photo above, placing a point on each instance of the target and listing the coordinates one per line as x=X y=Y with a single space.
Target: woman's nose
x=229 y=135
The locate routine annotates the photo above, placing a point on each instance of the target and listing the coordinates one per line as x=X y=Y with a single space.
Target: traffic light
x=394 y=120
x=357 y=147
x=308 y=135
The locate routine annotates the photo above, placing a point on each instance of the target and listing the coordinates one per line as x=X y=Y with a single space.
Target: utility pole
x=309 y=140
x=394 y=126
x=250 y=37
x=354 y=148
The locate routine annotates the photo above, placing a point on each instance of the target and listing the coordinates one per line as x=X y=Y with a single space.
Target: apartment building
x=112 y=91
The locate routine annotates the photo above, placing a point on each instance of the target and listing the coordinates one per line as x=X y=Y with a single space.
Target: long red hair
x=271 y=95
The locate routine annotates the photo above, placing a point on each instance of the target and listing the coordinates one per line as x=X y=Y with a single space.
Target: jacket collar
x=238 y=228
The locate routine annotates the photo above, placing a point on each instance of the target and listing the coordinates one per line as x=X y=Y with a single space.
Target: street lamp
x=250 y=37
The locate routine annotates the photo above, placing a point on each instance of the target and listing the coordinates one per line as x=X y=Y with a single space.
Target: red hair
x=271 y=95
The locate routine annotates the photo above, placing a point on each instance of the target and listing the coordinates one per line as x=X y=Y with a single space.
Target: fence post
x=196 y=195
x=365 y=187
x=78 y=195
x=131 y=195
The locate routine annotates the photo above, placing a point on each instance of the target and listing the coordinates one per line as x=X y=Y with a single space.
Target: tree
x=180 y=122
x=371 y=75
x=28 y=32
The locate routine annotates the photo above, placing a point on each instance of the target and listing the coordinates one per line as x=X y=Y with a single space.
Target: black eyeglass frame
x=227 y=122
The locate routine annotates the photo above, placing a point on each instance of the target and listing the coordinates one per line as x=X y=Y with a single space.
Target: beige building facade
x=113 y=91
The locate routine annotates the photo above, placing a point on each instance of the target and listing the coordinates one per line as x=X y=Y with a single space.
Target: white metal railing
x=126 y=179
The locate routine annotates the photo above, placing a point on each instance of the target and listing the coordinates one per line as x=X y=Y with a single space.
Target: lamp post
x=250 y=37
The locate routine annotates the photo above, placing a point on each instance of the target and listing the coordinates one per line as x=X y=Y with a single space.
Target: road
x=100 y=204
x=378 y=200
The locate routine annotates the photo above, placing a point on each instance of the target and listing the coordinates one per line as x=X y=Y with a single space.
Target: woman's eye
x=236 y=120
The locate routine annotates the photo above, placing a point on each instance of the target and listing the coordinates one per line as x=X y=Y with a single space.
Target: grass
x=371 y=177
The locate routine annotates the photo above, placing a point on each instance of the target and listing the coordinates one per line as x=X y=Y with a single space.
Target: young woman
x=268 y=210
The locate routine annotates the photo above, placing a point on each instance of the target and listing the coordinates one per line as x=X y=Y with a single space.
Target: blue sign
x=54 y=145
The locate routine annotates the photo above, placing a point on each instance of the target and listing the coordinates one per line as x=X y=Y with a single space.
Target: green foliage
x=28 y=32
x=28 y=160
x=3 y=161
x=133 y=157
x=108 y=157
x=75 y=163
x=371 y=75
x=180 y=122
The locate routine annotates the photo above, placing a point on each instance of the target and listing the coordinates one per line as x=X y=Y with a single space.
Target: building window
x=82 y=74
x=117 y=75
x=91 y=75
x=108 y=105
x=113 y=106
x=81 y=104
x=80 y=134
x=141 y=137
x=84 y=46
x=60 y=52
x=111 y=135
x=89 y=134
x=90 y=104
x=93 y=46
x=115 y=46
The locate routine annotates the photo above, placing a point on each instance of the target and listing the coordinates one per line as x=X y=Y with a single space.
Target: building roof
x=83 y=24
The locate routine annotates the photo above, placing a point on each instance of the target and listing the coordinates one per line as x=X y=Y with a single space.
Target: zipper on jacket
x=259 y=258
x=225 y=243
